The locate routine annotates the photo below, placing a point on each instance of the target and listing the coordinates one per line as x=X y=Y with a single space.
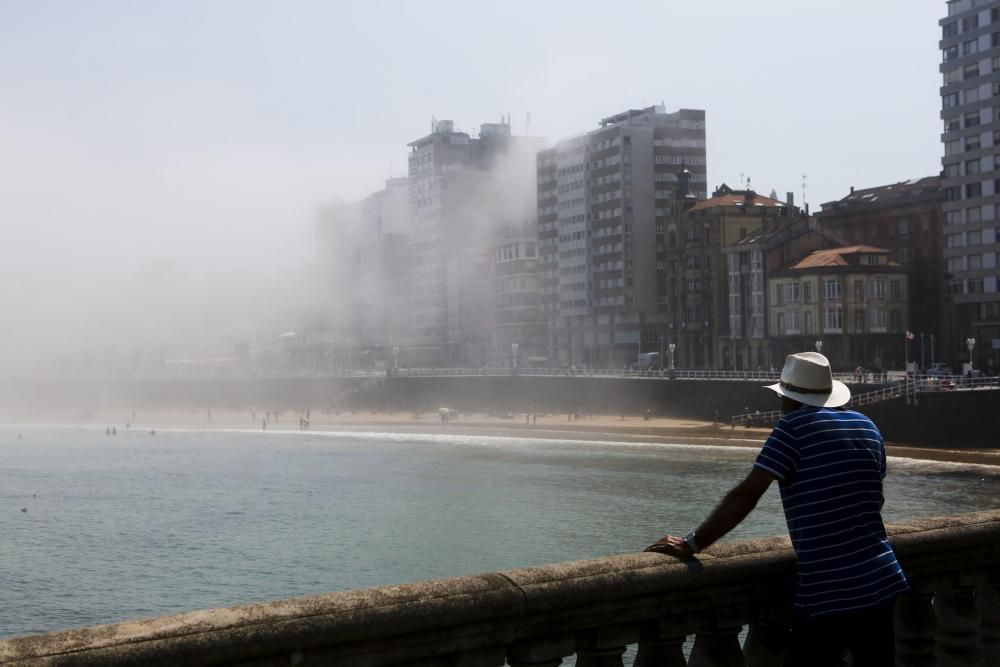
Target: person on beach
x=829 y=463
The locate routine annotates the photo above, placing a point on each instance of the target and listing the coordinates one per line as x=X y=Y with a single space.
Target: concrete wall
x=942 y=419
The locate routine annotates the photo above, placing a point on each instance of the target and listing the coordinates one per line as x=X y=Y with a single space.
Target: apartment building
x=850 y=303
x=749 y=263
x=605 y=198
x=697 y=274
x=518 y=329
x=906 y=219
x=382 y=281
x=461 y=189
x=970 y=111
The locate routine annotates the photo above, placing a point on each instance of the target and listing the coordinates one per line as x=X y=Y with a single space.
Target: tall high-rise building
x=462 y=189
x=382 y=282
x=604 y=200
x=970 y=109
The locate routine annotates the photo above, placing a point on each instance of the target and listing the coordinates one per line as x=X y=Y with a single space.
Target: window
x=807 y=292
x=952 y=76
x=972 y=119
x=973 y=190
x=970 y=47
x=975 y=286
x=831 y=289
x=878 y=319
x=833 y=319
x=859 y=291
x=878 y=289
x=974 y=214
x=949 y=29
x=975 y=238
x=895 y=292
x=952 y=147
x=952 y=124
x=972 y=143
x=779 y=294
x=792 y=293
x=950 y=100
x=970 y=71
x=950 y=53
x=859 y=321
x=970 y=95
x=970 y=23
x=974 y=262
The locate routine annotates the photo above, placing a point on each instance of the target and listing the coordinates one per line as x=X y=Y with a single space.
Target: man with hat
x=829 y=463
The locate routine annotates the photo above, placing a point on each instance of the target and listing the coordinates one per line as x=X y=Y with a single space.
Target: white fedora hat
x=807 y=378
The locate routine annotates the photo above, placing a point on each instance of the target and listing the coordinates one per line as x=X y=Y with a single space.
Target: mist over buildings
x=164 y=168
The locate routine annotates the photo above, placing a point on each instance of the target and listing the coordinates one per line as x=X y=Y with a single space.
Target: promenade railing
x=672 y=611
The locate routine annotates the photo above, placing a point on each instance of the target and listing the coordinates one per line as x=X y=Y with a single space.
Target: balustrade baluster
x=958 y=627
x=548 y=652
x=989 y=607
x=603 y=647
x=661 y=645
x=766 y=644
x=915 y=629
x=718 y=647
x=656 y=652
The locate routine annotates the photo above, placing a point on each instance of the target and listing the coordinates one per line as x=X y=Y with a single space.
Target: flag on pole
x=909 y=335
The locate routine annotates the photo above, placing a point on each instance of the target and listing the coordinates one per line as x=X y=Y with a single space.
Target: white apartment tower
x=462 y=188
x=604 y=200
x=970 y=109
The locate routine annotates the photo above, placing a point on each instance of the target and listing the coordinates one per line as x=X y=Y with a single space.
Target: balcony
x=593 y=609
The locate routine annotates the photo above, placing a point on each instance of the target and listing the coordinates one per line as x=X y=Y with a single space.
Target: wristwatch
x=692 y=545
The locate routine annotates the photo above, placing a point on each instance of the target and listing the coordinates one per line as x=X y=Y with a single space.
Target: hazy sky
x=181 y=138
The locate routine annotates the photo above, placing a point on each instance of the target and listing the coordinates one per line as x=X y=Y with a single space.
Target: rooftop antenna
x=803 y=190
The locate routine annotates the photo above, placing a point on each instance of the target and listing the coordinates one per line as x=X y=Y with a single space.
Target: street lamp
x=395 y=357
x=819 y=346
x=513 y=355
x=671 y=348
x=970 y=343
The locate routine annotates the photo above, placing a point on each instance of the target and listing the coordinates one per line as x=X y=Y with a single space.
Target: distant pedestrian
x=263 y=424
x=534 y=418
x=527 y=418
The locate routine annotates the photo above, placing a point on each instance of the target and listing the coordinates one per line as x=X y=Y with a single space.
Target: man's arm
x=730 y=512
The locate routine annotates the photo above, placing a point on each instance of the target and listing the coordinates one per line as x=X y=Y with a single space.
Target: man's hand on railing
x=671 y=545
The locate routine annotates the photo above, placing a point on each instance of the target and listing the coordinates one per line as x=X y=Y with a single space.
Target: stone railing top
x=731 y=583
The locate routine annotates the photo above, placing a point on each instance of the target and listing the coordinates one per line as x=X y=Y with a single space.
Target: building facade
x=382 y=281
x=750 y=262
x=604 y=201
x=461 y=189
x=519 y=334
x=850 y=303
x=697 y=274
x=905 y=218
x=970 y=111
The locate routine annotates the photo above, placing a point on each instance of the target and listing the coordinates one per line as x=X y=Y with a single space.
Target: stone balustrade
x=536 y=617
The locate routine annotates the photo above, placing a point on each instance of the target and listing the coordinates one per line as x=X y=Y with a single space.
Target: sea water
x=97 y=529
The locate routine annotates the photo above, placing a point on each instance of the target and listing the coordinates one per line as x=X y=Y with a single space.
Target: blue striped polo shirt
x=830 y=464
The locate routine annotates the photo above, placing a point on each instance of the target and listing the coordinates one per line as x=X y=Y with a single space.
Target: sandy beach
x=631 y=428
